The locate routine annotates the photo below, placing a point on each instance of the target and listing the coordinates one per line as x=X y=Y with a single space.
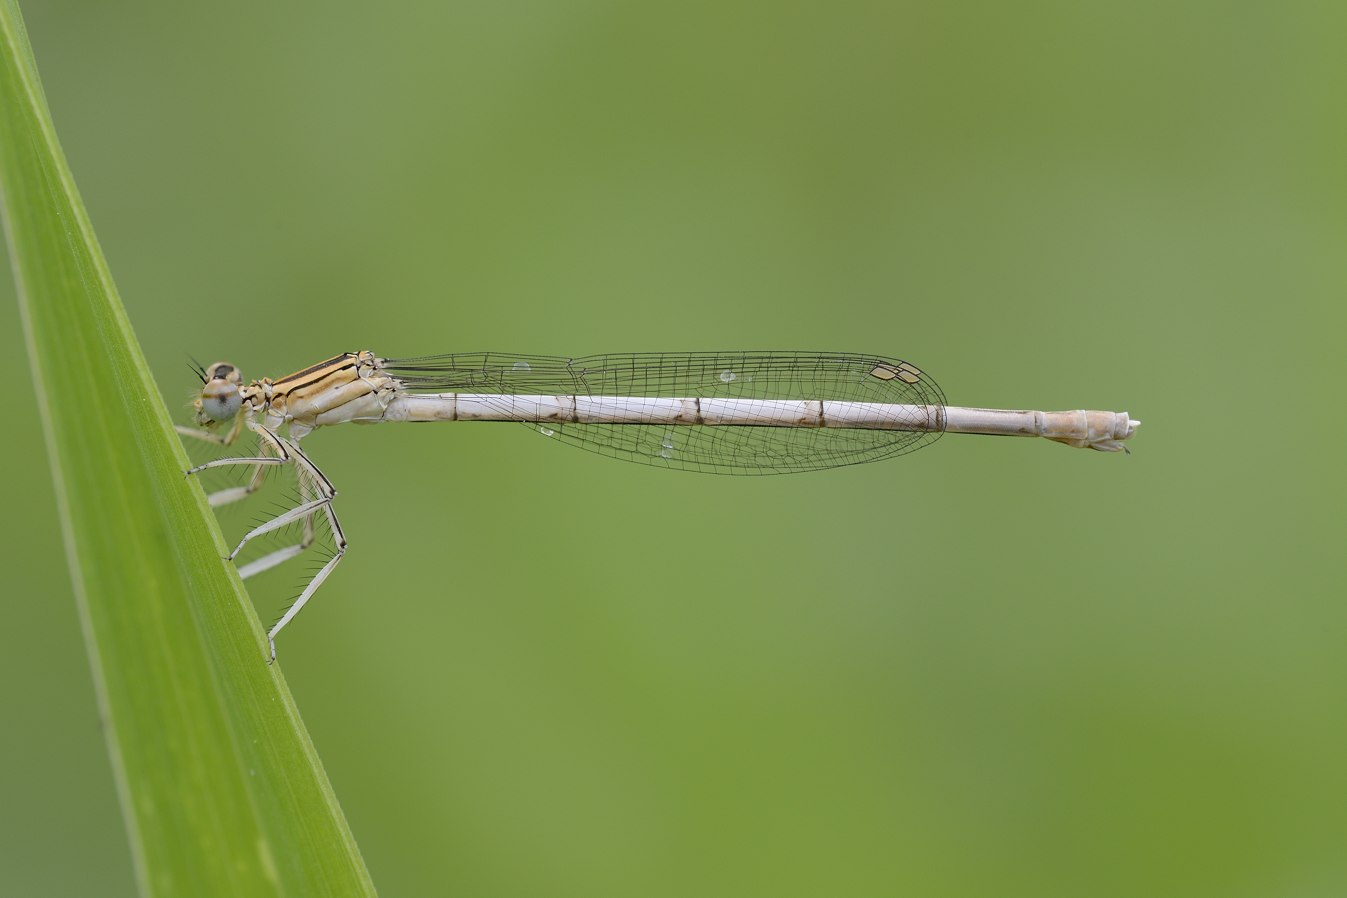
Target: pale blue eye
x=221 y=407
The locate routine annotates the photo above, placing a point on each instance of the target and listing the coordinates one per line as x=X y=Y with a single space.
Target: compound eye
x=220 y=401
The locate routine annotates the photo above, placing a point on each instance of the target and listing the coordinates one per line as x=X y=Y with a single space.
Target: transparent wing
x=719 y=449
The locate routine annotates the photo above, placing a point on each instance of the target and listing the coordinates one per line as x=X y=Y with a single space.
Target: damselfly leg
x=315 y=497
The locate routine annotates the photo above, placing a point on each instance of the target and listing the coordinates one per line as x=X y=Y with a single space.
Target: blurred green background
x=991 y=668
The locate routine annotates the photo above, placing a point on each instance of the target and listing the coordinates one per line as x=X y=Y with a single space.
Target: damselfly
x=713 y=412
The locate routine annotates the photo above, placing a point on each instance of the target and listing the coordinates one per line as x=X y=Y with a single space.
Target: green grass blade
x=222 y=791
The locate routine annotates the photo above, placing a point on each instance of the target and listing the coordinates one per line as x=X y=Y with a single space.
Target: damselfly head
x=220 y=398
